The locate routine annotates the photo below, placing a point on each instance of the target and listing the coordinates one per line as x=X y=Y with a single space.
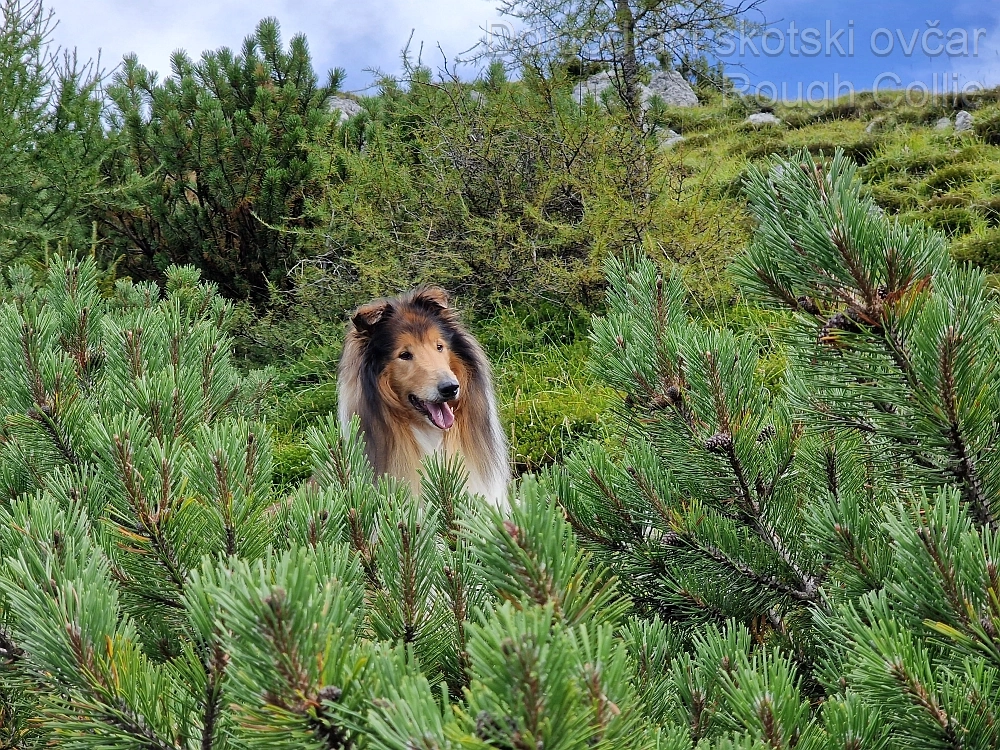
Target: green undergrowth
x=549 y=401
x=947 y=179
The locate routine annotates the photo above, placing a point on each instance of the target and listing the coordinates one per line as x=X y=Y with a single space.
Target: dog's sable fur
x=403 y=358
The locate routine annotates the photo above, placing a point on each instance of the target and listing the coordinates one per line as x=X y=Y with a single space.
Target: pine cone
x=766 y=434
x=673 y=394
x=838 y=322
x=720 y=442
x=808 y=305
x=330 y=693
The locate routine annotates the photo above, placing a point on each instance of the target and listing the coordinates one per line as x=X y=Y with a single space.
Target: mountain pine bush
x=52 y=138
x=845 y=516
x=213 y=162
x=800 y=560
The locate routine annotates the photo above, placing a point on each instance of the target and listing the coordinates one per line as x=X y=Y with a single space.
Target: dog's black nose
x=448 y=389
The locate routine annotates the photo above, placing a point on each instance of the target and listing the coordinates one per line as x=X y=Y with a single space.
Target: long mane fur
x=390 y=444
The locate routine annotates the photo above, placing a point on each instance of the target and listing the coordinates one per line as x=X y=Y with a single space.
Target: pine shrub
x=844 y=517
x=213 y=163
x=791 y=542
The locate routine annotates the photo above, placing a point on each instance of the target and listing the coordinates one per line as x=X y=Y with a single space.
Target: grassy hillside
x=913 y=170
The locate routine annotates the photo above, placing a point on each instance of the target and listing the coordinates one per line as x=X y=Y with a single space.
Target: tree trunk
x=629 y=63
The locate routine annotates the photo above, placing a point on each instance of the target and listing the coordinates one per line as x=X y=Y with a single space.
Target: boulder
x=759 y=119
x=671 y=87
x=943 y=124
x=346 y=107
x=670 y=138
x=963 y=122
x=593 y=86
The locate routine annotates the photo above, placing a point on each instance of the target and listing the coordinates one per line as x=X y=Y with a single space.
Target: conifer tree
x=844 y=513
x=804 y=560
x=155 y=592
x=213 y=161
x=52 y=140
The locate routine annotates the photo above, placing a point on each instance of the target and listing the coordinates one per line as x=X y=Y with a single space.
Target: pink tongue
x=441 y=414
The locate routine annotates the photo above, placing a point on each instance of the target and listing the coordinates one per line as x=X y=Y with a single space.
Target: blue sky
x=363 y=34
x=896 y=44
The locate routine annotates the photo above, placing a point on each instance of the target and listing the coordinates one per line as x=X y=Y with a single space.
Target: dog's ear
x=368 y=316
x=433 y=296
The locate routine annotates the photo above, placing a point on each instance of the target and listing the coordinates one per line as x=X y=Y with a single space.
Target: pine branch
x=857 y=557
x=216 y=671
x=360 y=545
x=775 y=584
x=148 y=522
x=925 y=700
x=965 y=472
x=753 y=509
x=126 y=720
x=225 y=501
x=612 y=497
x=408 y=575
x=46 y=417
x=457 y=593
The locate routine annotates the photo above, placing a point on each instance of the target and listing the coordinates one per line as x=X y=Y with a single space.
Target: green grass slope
x=548 y=398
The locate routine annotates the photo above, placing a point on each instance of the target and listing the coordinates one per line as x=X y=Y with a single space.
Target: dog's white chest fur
x=429 y=438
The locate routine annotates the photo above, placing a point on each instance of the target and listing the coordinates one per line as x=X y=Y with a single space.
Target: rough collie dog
x=421 y=384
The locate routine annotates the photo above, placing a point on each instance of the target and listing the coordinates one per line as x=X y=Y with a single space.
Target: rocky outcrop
x=669 y=138
x=594 y=86
x=672 y=88
x=963 y=122
x=760 y=119
x=668 y=85
x=346 y=107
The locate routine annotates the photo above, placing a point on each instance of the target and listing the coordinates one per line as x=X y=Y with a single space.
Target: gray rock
x=593 y=86
x=668 y=85
x=346 y=107
x=671 y=87
x=763 y=118
x=670 y=138
x=963 y=122
x=943 y=124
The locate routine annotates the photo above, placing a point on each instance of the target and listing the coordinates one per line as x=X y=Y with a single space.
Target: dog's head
x=412 y=355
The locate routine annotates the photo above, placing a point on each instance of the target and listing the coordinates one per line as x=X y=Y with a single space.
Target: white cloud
x=354 y=35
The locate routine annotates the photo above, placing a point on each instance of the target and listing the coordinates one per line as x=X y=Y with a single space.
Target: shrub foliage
x=216 y=162
x=803 y=561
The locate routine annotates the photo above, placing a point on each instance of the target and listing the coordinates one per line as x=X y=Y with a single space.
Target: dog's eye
x=405 y=355
x=440 y=347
